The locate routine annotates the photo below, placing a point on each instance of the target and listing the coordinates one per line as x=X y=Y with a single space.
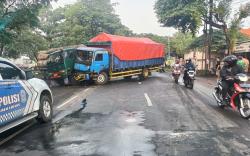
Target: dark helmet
x=230 y=60
x=188 y=60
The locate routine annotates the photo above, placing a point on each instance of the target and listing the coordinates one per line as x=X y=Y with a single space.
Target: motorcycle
x=238 y=97
x=176 y=74
x=189 y=80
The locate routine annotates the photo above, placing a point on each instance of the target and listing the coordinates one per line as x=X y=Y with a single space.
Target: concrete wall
x=198 y=58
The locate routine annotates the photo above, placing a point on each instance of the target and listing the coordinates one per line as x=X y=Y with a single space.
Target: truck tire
x=45 y=111
x=101 y=79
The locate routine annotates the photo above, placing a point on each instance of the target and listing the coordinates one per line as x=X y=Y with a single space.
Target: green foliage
x=218 y=41
x=16 y=14
x=26 y=42
x=222 y=13
x=185 y=15
x=181 y=42
x=79 y=22
x=190 y=15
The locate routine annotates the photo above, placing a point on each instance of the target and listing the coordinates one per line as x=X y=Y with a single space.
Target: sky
x=139 y=15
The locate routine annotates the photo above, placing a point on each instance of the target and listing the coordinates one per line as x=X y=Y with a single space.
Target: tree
x=231 y=30
x=14 y=14
x=26 y=42
x=190 y=15
x=181 y=42
x=79 y=22
x=185 y=15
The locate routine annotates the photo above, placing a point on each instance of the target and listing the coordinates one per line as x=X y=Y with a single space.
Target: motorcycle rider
x=188 y=66
x=228 y=71
x=176 y=66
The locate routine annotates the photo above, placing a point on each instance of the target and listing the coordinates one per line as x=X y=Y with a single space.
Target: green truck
x=58 y=64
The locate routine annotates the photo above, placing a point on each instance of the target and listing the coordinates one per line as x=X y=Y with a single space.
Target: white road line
x=66 y=102
x=148 y=100
x=71 y=99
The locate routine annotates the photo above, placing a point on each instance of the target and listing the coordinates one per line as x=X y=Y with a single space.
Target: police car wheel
x=45 y=111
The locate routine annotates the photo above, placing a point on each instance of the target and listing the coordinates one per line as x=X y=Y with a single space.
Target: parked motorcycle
x=189 y=80
x=238 y=97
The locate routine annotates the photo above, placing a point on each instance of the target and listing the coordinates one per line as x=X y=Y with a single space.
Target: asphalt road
x=128 y=118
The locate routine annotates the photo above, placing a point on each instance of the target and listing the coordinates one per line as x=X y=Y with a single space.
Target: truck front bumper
x=81 y=77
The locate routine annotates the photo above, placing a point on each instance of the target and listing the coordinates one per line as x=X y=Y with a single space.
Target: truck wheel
x=45 y=111
x=102 y=78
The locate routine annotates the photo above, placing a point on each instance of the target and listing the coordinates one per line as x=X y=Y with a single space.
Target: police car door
x=13 y=96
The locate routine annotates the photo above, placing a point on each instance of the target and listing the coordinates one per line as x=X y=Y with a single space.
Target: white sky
x=139 y=16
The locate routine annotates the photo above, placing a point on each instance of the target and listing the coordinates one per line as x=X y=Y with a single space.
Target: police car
x=22 y=99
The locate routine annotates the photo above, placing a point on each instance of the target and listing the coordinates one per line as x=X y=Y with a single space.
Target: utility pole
x=205 y=46
x=210 y=36
x=168 y=48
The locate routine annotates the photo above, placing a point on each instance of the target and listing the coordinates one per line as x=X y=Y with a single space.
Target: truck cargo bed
x=122 y=65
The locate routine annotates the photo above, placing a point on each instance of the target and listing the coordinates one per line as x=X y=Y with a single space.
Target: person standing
x=218 y=67
x=240 y=62
x=246 y=62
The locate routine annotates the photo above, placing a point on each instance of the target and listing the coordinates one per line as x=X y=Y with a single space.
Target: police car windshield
x=8 y=72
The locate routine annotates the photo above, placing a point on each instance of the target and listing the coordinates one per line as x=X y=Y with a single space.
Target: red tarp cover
x=129 y=48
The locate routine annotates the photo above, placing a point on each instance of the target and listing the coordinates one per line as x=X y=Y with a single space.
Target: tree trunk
x=1 y=50
x=225 y=30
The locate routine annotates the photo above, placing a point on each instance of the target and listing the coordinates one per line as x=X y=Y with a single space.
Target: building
x=198 y=58
x=245 y=31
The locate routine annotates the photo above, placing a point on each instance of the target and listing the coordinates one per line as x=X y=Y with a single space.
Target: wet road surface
x=127 y=118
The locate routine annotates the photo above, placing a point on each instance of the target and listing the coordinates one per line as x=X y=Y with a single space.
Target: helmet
x=188 y=60
x=230 y=60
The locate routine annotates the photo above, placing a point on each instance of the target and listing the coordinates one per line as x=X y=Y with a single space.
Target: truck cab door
x=101 y=62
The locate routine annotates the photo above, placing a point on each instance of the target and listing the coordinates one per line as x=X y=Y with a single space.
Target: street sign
x=242 y=47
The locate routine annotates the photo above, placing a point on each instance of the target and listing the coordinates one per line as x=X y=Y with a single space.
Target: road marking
x=71 y=99
x=66 y=102
x=15 y=134
x=148 y=100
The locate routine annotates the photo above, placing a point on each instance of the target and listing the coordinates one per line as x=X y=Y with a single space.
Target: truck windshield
x=56 y=58
x=84 y=57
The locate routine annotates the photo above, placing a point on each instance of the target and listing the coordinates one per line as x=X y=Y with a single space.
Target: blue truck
x=117 y=57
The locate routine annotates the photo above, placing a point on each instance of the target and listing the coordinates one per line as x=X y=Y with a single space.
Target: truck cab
x=61 y=65
x=92 y=64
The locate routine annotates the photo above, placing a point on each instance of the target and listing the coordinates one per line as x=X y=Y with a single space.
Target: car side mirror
x=28 y=74
x=23 y=75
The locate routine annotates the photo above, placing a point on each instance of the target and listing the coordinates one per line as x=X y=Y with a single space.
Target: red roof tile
x=245 y=31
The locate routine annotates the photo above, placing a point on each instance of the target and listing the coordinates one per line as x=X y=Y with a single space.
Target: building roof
x=245 y=31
